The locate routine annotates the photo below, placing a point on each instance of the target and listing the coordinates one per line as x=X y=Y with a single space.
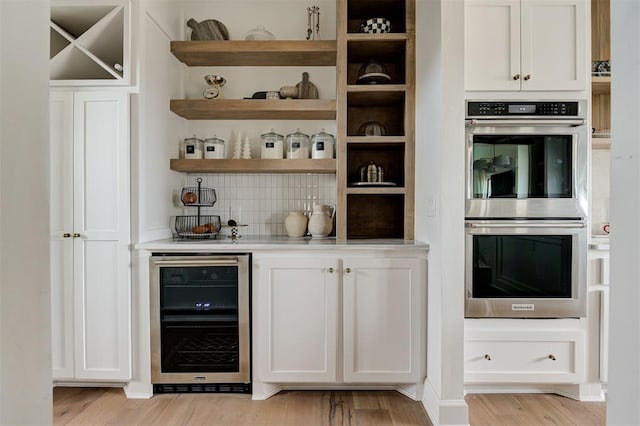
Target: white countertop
x=599 y=242
x=249 y=243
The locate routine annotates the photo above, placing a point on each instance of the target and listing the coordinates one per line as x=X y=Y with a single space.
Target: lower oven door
x=525 y=269
x=200 y=319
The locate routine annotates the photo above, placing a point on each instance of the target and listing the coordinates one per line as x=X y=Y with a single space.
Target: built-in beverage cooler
x=200 y=331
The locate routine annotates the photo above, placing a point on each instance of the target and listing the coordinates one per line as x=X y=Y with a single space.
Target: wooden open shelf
x=254 y=166
x=256 y=53
x=600 y=85
x=601 y=143
x=257 y=109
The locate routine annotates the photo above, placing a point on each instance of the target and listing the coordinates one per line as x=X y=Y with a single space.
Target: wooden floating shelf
x=256 y=53
x=375 y=139
x=375 y=190
x=257 y=109
x=600 y=85
x=601 y=143
x=376 y=37
x=254 y=166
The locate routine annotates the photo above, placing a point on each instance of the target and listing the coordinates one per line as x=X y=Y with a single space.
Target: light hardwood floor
x=109 y=406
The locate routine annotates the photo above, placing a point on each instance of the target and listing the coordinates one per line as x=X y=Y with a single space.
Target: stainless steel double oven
x=526 y=209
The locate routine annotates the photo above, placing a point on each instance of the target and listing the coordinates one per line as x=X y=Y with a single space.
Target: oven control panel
x=522 y=108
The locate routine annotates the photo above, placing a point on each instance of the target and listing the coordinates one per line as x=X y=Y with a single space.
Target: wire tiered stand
x=197 y=226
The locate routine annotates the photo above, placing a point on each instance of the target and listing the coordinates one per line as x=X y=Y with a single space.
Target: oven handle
x=560 y=122
x=473 y=225
x=203 y=262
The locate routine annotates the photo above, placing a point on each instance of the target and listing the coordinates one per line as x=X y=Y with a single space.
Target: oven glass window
x=522 y=266
x=522 y=166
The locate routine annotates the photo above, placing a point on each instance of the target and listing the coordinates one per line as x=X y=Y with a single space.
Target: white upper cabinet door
x=554 y=41
x=526 y=45
x=383 y=309
x=492 y=45
x=101 y=246
x=61 y=225
x=297 y=307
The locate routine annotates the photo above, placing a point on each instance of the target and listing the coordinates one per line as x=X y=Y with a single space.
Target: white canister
x=213 y=148
x=272 y=146
x=322 y=145
x=297 y=145
x=193 y=148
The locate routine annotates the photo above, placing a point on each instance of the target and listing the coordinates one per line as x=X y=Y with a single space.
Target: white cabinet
x=90 y=260
x=331 y=320
x=89 y=42
x=526 y=45
x=524 y=351
x=382 y=311
x=599 y=283
x=298 y=326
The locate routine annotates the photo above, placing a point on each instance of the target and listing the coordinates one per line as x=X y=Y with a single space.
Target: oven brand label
x=522 y=307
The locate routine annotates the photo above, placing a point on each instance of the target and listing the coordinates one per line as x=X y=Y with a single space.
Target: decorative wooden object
x=209 y=29
x=306 y=89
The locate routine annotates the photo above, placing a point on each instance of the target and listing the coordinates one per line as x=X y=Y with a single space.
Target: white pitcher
x=321 y=220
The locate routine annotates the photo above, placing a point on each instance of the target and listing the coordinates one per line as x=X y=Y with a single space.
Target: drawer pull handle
x=487 y=357
x=552 y=357
x=348 y=270
x=331 y=270
x=527 y=77
x=76 y=235
x=516 y=77
x=66 y=235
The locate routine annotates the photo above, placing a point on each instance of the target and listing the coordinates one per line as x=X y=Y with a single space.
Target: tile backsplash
x=263 y=200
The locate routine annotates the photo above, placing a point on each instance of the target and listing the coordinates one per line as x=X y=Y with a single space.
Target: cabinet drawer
x=544 y=360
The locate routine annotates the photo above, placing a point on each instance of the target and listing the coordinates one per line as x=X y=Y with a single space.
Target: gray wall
x=25 y=354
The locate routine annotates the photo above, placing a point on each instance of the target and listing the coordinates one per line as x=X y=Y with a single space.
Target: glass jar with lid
x=192 y=148
x=297 y=145
x=322 y=145
x=272 y=146
x=213 y=148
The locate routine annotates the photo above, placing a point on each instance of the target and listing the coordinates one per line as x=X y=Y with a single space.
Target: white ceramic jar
x=295 y=224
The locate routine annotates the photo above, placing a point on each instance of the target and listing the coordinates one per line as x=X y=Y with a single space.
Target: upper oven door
x=526 y=168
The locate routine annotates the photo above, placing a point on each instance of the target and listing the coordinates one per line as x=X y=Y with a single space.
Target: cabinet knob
x=487 y=357
x=527 y=77
x=331 y=270
x=66 y=235
x=516 y=77
x=347 y=270
x=552 y=357
x=76 y=235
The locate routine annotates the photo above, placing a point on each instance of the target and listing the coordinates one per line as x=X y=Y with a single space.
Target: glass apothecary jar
x=322 y=145
x=272 y=146
x=213 y=148
x=192 y=148
x=297 y=145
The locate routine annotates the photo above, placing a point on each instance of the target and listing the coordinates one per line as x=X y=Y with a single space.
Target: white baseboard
x=444 y=412
x=589 y=392
x=137 y=390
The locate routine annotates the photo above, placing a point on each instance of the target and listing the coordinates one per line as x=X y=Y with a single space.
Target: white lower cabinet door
x=91 y=302
x=382 y=306
x=298 y=320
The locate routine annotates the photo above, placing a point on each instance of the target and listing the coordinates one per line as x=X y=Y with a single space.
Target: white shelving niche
x=88 y=45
